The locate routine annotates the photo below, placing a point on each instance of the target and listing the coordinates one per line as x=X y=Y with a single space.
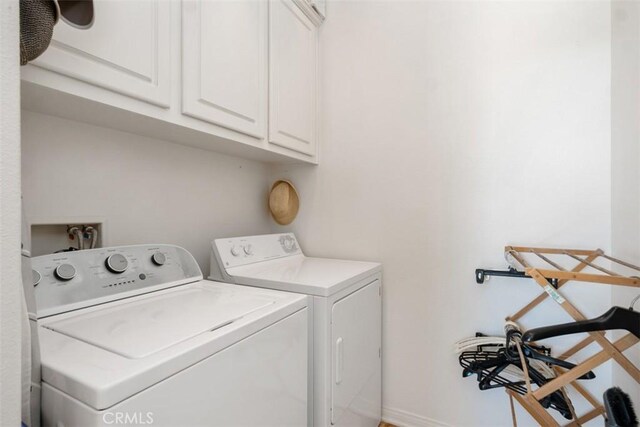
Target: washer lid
x=302 y=274
x=143 y=327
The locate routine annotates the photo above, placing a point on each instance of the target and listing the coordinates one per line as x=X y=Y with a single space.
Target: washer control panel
x=237 y=251
x=71 y=280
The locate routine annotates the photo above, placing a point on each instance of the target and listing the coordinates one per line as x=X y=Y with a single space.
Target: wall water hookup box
x=55 y=236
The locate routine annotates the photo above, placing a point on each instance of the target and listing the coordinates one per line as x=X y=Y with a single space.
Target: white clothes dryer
x=345 y=379
x=132 y=335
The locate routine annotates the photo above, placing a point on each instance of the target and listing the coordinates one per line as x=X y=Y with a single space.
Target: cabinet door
x=224 y=46
x=292 y=78
x=356 y=322
x=127 y=50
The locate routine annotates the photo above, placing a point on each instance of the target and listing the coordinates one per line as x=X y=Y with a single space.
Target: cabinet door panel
x=225 y=63
x=293 y=78
x=127 y=50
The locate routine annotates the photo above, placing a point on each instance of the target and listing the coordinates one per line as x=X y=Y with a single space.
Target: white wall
x=149 y=191
x=451 y=129
x=625 y=152
x=10 y=278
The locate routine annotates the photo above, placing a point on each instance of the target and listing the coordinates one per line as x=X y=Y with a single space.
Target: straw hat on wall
x=284 y=202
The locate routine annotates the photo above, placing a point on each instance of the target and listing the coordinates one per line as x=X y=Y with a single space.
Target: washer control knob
x=117 y=263
x=36 y=277
x=248 y=249
x=235 y=250
x=65 y=272
x=158 y=258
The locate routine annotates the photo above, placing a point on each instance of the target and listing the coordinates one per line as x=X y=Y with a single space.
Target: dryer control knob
x=248 y=250
x=235 y=250
x=117 y=263
x=65 y=272
x=158 y=259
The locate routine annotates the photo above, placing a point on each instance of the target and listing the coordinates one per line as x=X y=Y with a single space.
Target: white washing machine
x=133 y=336
x=345 y=382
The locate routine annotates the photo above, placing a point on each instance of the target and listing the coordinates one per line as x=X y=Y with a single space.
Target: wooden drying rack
x=550 y=280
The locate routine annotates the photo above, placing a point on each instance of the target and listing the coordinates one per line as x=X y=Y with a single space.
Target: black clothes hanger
x=532 y=352
x=490 y=367
x=614 y=318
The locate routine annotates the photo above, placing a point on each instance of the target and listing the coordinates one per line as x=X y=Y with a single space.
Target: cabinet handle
x=339 y=360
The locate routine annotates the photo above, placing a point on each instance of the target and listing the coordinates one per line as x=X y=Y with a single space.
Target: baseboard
x=402 y=418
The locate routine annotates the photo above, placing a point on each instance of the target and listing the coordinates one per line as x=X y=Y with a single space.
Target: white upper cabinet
x=234 y=76
x=224 y=54
x=127 y=50
x=293 y=61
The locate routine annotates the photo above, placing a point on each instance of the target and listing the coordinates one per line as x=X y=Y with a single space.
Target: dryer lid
x=140 y=328
x=306 y=275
